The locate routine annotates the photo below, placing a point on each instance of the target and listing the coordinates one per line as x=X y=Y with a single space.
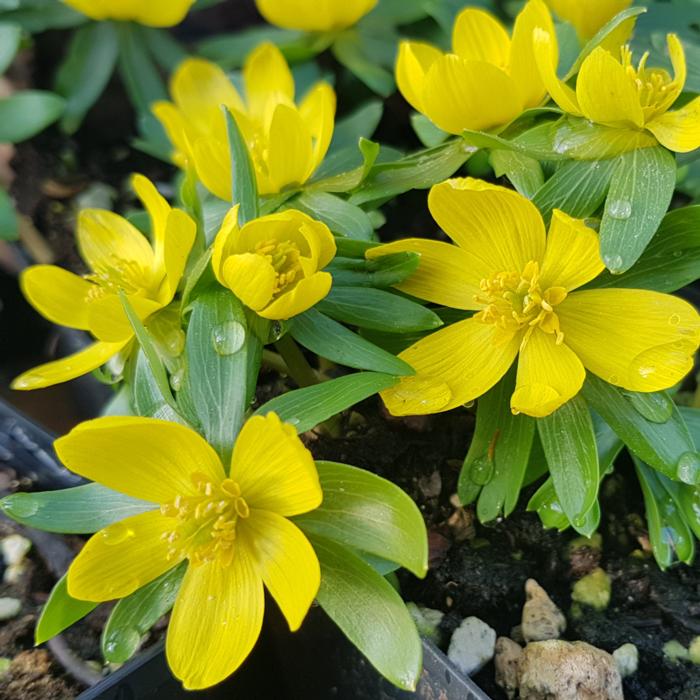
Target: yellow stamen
x=284 y=256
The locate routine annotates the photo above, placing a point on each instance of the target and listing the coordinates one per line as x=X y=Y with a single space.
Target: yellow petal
x=67 y=368
x=478 y=35
x=446 y=275
x=274 y=469
x=144 y=458
x=107 y=319
x=57 y=294
x=412 y=65
x=680 y=70
x=267 y=79
x=590 y=16
x=215 y=622
x=499 y=226
x=162 y=13
x=606 y=93
x=213 y=165
x=317 y=110
x=523 y=66
x=464 y=94
x=176 y=127
x=314 y=15
x=223 y=243
x=156 y=206
x=572 y=257
x=285 y=560
x=180 y=232
x=636 y=339
x=121 y=558
x=679 y=130
x=106 y=240
x=453 y=366
x=290 y=158
x=546 y=60
x=548 y=376
x=318 y=236
x=251 y=278
x=305 y=294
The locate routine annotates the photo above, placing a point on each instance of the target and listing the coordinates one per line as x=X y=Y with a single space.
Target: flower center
x=285 y=258
x=654 y=85
x=117 y=275
x=206 y=529
x=515 y=300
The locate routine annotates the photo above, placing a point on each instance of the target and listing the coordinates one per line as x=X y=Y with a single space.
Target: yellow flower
x=314 y=15
x=614 y=93
x=521 y=284
x=590 y=16
x=273 y=264
x=230 y=524
x=487 y=81
x=286 y=142
x=153 y=13
x=120 y=259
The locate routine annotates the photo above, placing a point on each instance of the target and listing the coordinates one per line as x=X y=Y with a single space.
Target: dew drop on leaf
x=688 y=468
x=227 y=338
x=620 y=209
x=20 y=505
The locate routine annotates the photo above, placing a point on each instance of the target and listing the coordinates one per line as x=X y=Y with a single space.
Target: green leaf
x=334 y=342
x=86 y=70
x=78 y=510
x=167 y=52
x=667 y=447
x=146 y=397
x=525 y=173
x=362 y=122
x=498 y=453
x=534 y=143
x=429 y=134
x=9 y=223
x=414 y=172
x=669 y=262
x=369 y=612
x=24 y=114
x=363 y=511
x=378 y=310
x=578 y=188
x=134 y=615
x=223 y=359
x=640 y=191
x=345 y=169
x=568 y=440
x=384 y=271
x=244 y=185
x=306 y=408
x=36 y=17
x=10 y=37
x=669 y=534
x=60 y=611
x=341 y=217
x=349 y=50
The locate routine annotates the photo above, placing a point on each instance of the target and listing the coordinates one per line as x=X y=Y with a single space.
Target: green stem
x=299 y=369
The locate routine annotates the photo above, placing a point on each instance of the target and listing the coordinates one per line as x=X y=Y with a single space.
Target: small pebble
x=506 y=659
x=593 y=589
x=627 y=659
x=694 y=650
x=675 y=651
x=9 y=608
x=14 y=548
x=541 y=619
x=472 y=645
x=427 y=620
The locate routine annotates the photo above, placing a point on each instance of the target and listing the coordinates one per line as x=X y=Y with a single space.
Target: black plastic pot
x=316 y=663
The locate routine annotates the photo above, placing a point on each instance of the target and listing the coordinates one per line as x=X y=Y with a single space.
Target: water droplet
x=677 y=253
x=20 y=505
x=120 y=645
x=481 y=471
x=613 y=263
x=674 y=319
x=117 y=533
x=228 y=337
x=177 y=378
x=175 y=342
x=655 y=406
x=613 y=379
x=688 y=468
x=619 y=209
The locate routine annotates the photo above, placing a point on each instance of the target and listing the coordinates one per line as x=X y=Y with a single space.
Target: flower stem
x=299 y=369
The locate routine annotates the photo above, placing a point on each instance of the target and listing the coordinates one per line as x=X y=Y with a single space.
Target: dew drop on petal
x=674 y=319
x=117 y=533
x=228 y=338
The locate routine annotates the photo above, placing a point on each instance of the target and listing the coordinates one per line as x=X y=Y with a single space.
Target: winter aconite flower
x=120 y=259
x=612 y=91
x=487 y=80
x=273 y=264
x=314 y=15
x=590 y=16
x=230 y=524
x=287 y=142
x=153 y=13
x=522 y=286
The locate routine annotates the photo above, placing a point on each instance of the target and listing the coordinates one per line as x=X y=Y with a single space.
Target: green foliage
x=59 y=612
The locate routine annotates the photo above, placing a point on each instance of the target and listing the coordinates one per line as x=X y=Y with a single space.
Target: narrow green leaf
x=349 y=51
x=306 y=408
x=369 y=612
x=146 y=397
x=340 y=216
x=9 y=224
x=334 y=342
x=429 y=134
x=24 y=114
x=538 y=148
x=363 y=511
x=378 y=310
x=88 y=66
x=382 y=272
x=35 y=18
x=525 y=173
x=10 y=37
x=78 y=510
x=167 y=52
x=578 y=188
x=60 y=611
x=568 y=440
x=134 y=615
x=223 y=359
x=345 y=169
x=244 y=185
x=669 y=262
x=362 y=122
x=667 y=447
x=640 y=191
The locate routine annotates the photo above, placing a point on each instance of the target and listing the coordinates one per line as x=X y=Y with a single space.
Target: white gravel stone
x=9 y=608
x=472 y=645
x=627 y=659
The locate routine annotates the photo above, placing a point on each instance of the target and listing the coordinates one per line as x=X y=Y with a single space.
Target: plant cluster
x=552 y=153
